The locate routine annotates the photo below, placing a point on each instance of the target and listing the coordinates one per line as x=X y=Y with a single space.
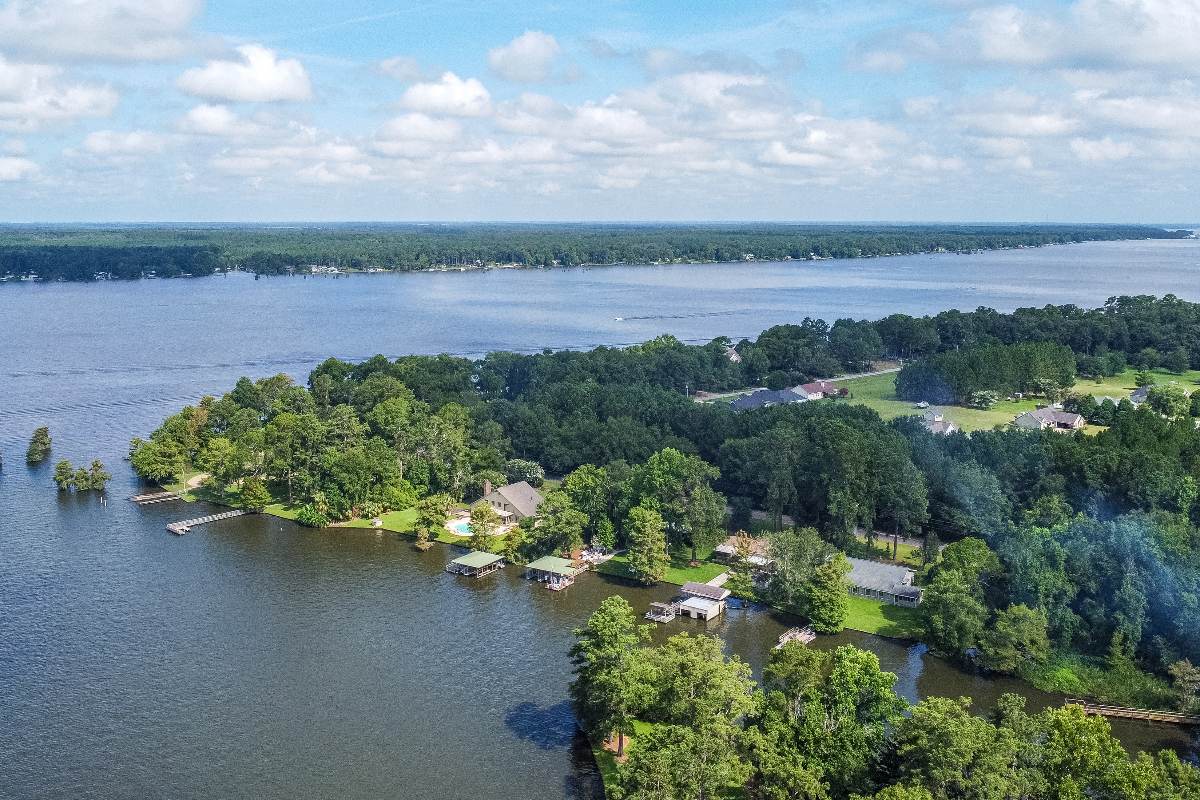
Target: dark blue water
x=252 y=658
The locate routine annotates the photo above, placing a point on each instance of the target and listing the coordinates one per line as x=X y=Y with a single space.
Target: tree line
x=126 y=252
x=1096 y=536
x=828 y=726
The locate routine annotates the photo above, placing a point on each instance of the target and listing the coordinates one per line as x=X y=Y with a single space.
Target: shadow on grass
x=901 y=622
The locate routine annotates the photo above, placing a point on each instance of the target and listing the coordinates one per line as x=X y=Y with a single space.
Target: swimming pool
x=459 y=527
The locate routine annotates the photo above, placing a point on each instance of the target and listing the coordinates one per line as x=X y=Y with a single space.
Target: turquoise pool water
x=460 y=527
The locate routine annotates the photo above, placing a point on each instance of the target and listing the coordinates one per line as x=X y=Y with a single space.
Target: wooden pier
x=155 y=497
x=663 y=612
x=804 y=635
x=180 y=528
x=1133 y=713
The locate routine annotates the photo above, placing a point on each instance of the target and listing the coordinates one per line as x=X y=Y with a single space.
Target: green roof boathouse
x=476 y=564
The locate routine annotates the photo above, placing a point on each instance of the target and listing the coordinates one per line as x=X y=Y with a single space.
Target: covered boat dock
x=476 y=564
x=558 y=573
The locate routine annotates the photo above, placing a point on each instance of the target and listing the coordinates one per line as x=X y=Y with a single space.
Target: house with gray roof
x=886 y=582
x=767 y=397
x=513 y=502
x=1049 y=417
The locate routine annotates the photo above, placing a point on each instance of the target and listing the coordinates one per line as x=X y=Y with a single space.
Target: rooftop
x=881 y=577
x=559 y=566
x=767 y=397
x=521 y=496
x=705 y=590
x=698 y=604
x=477 y=559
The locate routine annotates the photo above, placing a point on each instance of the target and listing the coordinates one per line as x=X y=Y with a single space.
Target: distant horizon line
x=283 y=225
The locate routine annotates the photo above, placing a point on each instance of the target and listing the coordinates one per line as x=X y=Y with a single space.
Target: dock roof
x=559 y=566
x=705 y=590
x=477 y=559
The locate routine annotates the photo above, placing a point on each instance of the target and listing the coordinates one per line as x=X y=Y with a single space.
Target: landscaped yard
x=872 y=616
x=879 y=392
x=910 y=555
x=678 y=573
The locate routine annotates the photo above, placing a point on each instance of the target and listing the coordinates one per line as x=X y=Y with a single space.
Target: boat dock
x=1134 y=713
x=663 y=612
x=180 y=528
x=154 y=497
x=804 y=635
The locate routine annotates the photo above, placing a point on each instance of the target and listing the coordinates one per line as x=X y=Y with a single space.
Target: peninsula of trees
x=84 y=254
x=1081 y=548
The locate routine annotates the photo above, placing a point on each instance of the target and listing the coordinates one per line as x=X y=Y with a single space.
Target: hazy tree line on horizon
x=65 y=253
x=1089 y=544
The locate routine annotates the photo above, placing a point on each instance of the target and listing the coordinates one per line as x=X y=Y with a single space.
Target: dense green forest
x=1083 y=549
x=829 y=726
x=81 y=253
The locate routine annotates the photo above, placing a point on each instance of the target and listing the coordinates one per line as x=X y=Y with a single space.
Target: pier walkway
x=1134 y=713
x=155 y=497
x=180 y=528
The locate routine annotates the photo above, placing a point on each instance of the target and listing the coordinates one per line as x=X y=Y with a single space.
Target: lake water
x=253 y=658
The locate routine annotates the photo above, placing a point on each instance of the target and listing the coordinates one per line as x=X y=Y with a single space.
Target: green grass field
x=883 y=549
x=872 y=616
x=878 y=392
x=678 y=573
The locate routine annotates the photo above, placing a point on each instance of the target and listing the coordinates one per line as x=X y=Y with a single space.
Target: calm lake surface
x=253 y=658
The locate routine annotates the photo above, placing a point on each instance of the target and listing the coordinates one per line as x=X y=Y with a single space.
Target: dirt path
x=195 y=481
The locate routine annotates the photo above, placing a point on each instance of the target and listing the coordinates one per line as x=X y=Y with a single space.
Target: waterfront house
x=886 y=582
x=702 y=600
x=513 y=502
x=1042 y=418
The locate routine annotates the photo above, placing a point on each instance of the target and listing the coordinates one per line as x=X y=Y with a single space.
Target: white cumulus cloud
x=1101 y=149
x=106 y=143
x=450 y=95
x=34 y=96
x=14 y=169
x=258 y=77
x=107 y=31
x=217 y=120
x=529 y=58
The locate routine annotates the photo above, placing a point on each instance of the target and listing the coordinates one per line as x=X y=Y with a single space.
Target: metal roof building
x=887 y=582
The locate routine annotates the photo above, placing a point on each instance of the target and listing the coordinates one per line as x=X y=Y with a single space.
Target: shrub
x=311 y=518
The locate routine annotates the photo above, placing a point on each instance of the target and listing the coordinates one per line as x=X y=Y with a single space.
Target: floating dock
x=803 y=635
x=1133 y=713
x=663 y=612
x=154 y=497
x=180 y=528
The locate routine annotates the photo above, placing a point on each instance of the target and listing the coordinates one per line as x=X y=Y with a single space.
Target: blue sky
x=176 y=110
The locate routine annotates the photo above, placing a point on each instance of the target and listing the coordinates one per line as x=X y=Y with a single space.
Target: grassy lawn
x=878 y=392
x=883 y=549
x=678 y=573
x=404 y=521
x=872 y=616
x=1121 y=385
